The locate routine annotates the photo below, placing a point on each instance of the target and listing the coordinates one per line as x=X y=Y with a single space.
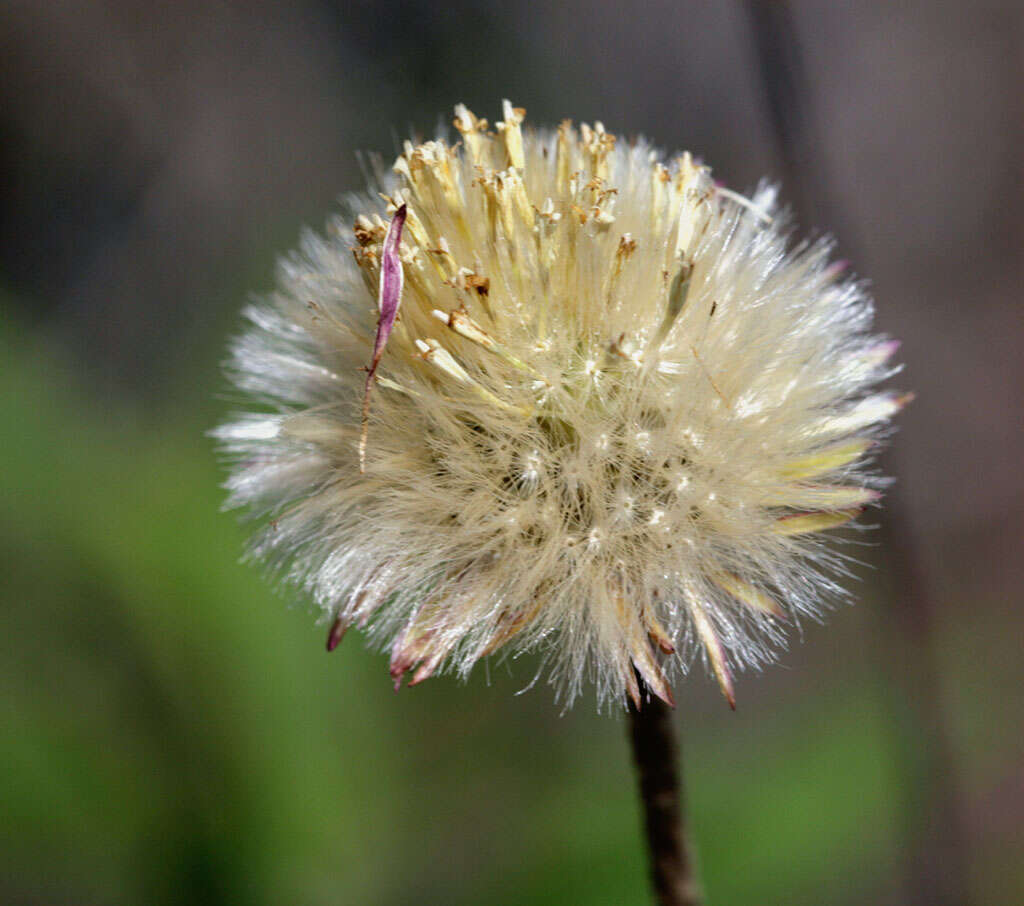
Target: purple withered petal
x=880 y=353
x=336 y=633
x=388 y=301
x=836 y=269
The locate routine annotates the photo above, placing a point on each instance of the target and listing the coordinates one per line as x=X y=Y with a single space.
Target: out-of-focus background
x=171 y=732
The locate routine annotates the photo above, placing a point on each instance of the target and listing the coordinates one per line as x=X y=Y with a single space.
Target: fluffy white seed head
x=613 y=419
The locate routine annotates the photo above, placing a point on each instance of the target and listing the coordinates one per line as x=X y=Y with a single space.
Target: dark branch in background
x=937 y=860
x=656 y=754
x=782 y=74
x=937 y=865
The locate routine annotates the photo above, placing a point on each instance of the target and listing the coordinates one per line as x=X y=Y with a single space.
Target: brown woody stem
x=655 y=752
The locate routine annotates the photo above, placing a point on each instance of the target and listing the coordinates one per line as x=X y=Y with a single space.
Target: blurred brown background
x=173 y=733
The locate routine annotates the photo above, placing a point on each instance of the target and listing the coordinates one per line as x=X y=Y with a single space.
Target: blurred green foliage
x=173 y=733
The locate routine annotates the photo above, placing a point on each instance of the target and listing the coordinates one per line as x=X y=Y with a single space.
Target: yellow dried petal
x=806 y=523
x=643 y=659
x=677 y=292
x=462 y=324
x=509 y=626
x=564 y=158
x=713 y=647
x=472 y=130
x=432 y=659
x=750 y=595
x=442 y=359
x=641 y=653
x=512 y=133
x=828 y=459
x=869 y=411
x=822 y=497
x=657 y=632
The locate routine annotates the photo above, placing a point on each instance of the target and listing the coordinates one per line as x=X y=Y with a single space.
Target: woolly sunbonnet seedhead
x=611 y=422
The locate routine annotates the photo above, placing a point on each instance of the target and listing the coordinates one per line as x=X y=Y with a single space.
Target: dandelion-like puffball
x=554 y=392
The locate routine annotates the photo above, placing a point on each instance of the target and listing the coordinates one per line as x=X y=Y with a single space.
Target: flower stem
x=655 y=752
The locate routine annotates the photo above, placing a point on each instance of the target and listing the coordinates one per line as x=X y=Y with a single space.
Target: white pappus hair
x=613 y=419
